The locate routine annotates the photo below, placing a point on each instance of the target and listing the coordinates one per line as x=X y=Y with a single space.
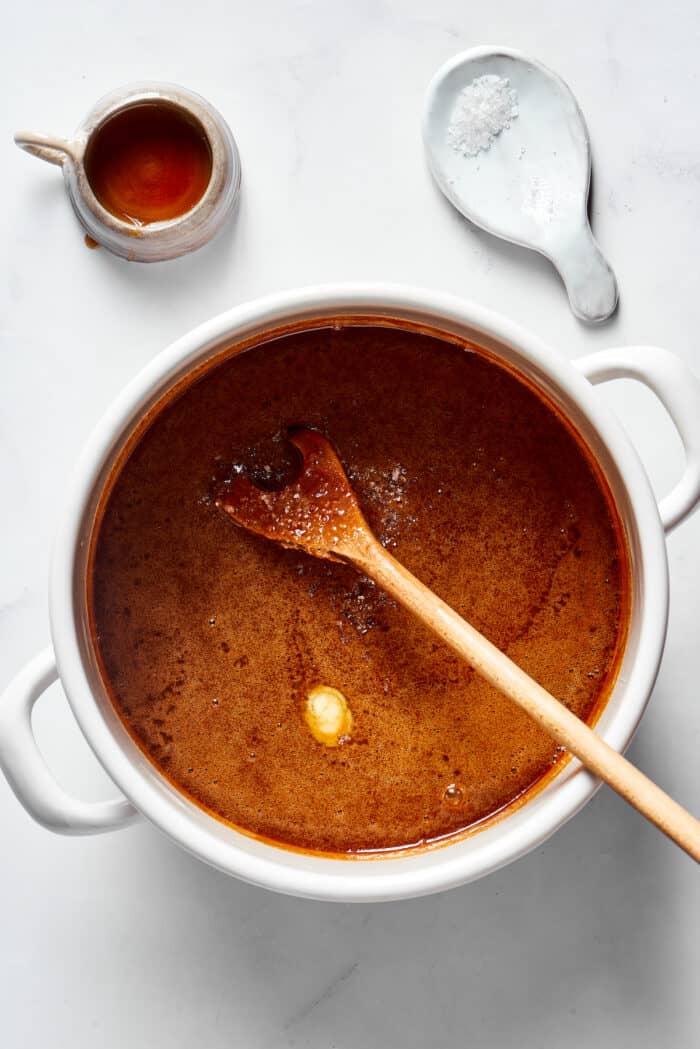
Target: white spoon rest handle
x=589 y=280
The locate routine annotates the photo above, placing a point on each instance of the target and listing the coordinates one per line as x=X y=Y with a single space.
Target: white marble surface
x=125 y=940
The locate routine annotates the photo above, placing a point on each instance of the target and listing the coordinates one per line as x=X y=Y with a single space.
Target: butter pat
x=328 y=715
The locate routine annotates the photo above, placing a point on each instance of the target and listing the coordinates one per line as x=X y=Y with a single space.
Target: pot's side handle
x=26 y=771
x=678 y=389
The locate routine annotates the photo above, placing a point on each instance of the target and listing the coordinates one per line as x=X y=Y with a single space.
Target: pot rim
x=275 y=867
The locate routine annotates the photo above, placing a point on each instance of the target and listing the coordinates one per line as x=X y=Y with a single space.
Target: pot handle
x=678 y=389
x=26 y=771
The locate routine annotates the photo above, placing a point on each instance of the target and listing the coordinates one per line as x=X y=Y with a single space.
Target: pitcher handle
x=47 y=147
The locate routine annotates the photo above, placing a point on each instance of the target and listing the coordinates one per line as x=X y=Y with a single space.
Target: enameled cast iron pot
x=147 y=793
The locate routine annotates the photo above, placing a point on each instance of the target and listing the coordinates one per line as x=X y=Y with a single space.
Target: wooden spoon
x=318 y=512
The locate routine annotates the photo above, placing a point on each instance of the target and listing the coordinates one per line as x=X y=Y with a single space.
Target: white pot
x=148 y=793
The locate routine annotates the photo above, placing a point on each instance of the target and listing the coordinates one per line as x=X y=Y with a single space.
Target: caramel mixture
x=225 y=654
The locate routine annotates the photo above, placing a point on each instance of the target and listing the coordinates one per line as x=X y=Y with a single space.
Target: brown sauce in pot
x=210 y=638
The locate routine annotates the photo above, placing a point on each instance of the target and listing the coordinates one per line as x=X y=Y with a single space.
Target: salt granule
x=484 y=108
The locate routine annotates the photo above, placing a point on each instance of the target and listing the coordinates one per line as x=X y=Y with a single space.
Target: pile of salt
x=484 y=108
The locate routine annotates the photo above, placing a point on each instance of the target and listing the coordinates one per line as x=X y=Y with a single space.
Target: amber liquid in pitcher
x=149 y=163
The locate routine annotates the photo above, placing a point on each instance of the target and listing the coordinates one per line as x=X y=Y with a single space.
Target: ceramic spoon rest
x=531 y=185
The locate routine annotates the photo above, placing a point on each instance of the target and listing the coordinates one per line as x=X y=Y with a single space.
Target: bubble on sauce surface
x=453 y=795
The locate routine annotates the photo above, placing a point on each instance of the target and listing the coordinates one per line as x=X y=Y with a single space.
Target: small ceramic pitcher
x=157 y=240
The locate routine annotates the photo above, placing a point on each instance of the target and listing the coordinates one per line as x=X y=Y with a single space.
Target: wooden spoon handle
x=553 y=716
